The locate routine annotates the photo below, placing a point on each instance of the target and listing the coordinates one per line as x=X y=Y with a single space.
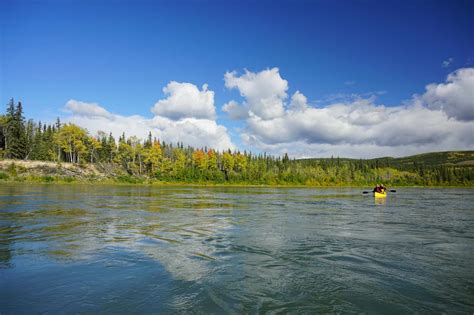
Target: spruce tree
x=17 y=134
x=58 y=124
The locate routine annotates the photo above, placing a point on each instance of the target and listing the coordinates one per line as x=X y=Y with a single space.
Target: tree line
x=155 y=159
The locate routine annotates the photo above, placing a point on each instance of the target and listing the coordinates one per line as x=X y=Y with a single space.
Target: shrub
x=12 y=169
x=47 y=179
x=129 y=179
x=69 y=179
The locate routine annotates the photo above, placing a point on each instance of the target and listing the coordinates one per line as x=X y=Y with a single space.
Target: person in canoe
x=379 y=188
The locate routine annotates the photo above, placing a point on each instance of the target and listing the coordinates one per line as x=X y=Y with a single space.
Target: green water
x=138 y=249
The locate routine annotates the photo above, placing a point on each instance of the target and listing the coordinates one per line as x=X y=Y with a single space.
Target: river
x=142 y=249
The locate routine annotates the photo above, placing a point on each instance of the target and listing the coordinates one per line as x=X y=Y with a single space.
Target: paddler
x=377 y=189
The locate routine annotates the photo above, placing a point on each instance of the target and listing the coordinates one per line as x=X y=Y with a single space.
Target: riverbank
x=19 y=171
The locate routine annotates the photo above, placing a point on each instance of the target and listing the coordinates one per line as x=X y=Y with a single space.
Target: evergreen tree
x=16 y=141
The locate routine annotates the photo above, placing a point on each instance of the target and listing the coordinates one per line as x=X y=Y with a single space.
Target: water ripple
x=138 y=249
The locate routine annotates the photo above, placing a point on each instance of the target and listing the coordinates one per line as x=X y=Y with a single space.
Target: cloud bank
x=187 y=115
x=440 y=119
x=275 y=121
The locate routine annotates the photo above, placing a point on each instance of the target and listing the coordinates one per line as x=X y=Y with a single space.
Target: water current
x=143 y=249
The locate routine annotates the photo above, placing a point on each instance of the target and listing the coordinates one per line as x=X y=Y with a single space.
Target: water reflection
x=227 y=250
x=6 y=233
x=170 y=227
x=380 y=201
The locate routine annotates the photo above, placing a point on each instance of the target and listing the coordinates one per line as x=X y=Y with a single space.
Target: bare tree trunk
x=27 y=155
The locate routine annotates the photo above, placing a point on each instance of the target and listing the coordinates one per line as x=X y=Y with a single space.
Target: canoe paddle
x=367 y=192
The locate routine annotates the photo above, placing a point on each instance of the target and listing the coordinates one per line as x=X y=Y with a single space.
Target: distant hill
x=432 y=159
x=448 y=158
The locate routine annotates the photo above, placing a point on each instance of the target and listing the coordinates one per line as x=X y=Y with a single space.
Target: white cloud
x=298 y=101
x=235 y=111
x=301 y=149
x=185 y=100
x=455 y=97
x=446 y=63
x=355 y=126
x=264 y=92
x=198 y=130
x=358 y=127
x=87 y=109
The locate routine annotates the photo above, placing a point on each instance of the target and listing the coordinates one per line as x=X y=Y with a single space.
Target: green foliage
x=68 y=179
x=4 y=175
x=12 y=169
x=15 y=137
x=47 y=179
x=129 y=179
x=72 y=140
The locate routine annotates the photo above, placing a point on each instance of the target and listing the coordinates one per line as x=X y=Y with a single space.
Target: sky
x=311 y=78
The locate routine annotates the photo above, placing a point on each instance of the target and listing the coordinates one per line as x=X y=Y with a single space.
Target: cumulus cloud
x=87 y=109
x=264 y=92
x=455 y=97
x=235 y=111
x=185 y=100
x=194 y=127
x=298 y=101
x=356 y=124
x=358 y=127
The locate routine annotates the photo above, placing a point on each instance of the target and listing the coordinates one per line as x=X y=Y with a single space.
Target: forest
x=151 y=159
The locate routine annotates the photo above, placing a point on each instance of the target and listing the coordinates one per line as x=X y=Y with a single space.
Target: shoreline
x=45 y=172
x=112 y=182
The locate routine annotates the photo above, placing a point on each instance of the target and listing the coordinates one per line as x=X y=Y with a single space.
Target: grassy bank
x=19 y=171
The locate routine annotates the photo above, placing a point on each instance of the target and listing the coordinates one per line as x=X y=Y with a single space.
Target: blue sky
x=121 y=54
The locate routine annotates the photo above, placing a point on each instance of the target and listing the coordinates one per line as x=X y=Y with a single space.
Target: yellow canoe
x=380 y=195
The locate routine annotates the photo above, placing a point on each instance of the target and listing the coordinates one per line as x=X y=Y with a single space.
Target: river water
x=140 y=249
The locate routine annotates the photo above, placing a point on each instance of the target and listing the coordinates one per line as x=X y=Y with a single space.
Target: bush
x=47 y=179
x=12 y=169
x=129 y=179
x=4 y=175
x=69 y=179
